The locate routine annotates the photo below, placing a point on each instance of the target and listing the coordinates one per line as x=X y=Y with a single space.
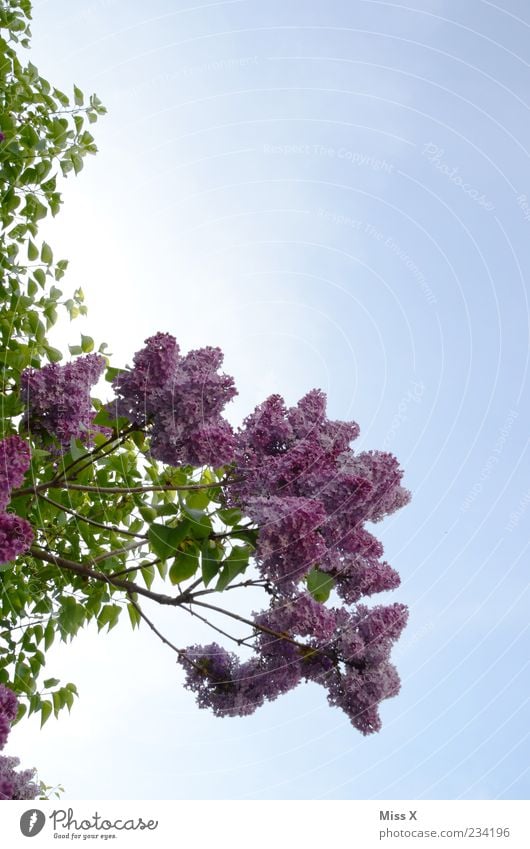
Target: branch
x=124 y=550
x=140 y=612
x=240 y=642
x=250 y=583
x=251 y=623
x=113 y=528
x=85 y=571
x=135 y=568
x=119 y=437
x=120 y=490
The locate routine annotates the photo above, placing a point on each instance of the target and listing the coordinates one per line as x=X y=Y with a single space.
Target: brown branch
x=140 y=612
x=251 y=623
x=135 y=568
x=210 y=625
x=250 y=583
x=86 y=572
x=124 y=550
x=88 y=521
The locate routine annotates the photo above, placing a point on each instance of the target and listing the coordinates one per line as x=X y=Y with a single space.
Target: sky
x=336 y=195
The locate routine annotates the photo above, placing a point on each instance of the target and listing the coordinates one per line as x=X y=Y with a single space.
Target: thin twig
x=88 y=521
x=215 y=628
x=252 y=624
x=153 y=628
x=120 y=490
x=117 y=551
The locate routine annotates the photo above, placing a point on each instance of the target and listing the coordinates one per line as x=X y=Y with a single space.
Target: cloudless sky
x=334 y=193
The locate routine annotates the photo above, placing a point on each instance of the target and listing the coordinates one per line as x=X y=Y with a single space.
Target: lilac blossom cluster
x=13 y=784
x=299 y=480
x=311 y=495
x=347 y=653
x=57 y=399
x=181 y=399
x=16 y=534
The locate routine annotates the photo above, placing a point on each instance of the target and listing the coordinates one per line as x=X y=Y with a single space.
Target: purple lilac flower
x=141 y=390
x=8 y=703
x=300 y=616
x=15 y=459
x=16 y=785
x=280 y=450
x=182 y=398
x=231 y=688
x=5 y=728
x=286 y=454
x=58 y=398
x=16 y=536
x=289 y=542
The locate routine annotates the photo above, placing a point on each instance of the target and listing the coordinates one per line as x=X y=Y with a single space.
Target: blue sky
x=334 y=193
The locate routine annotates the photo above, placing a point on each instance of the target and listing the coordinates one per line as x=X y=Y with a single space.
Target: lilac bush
x=300 y=497
x=13 y=784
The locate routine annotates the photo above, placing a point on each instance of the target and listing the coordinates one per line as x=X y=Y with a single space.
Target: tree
x=152 y=498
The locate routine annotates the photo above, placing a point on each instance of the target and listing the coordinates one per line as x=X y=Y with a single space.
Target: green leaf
x=49 y=635
x=45 y=712
x=40 y=276
x=58 y=702
x=210 y=562
x=201 y=527
x=53 y=354
x=77 y=449
x=50 y=682
x=198 y=500
x=134 y=616
x=33 y=251
x=46 y=254
x=87 y=344
x=184 y=566
x=111 y=373
x=109 y=615
x=230 y=517
x=165 y=540
x=235 y=564
x=148 y=574
x=319 y=584
x=78 y=96
x=146 y=512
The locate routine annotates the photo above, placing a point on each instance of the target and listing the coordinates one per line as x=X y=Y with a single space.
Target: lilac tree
x=147 y=495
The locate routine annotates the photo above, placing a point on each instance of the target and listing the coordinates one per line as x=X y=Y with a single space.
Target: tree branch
x=85 y=571
x=120 y=490
x=88 y=521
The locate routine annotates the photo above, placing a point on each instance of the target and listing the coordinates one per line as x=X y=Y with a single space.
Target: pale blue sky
x=335 y=194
